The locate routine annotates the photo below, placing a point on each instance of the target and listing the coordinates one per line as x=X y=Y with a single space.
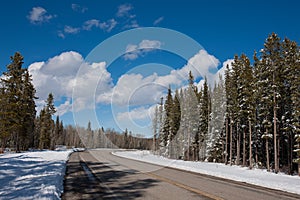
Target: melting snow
x=32 y=175
x=243 y=174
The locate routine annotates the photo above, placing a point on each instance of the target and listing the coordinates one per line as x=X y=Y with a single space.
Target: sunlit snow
x=243 y=174
x=32 y=175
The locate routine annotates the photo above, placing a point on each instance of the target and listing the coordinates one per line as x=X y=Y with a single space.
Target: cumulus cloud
x=139 y=113
x=64 y=108
x=135 y=89
x=158 y=20
x=59 y=76
x=67 y=75
x=39 y=15
x=91 y=80
x=133 y=51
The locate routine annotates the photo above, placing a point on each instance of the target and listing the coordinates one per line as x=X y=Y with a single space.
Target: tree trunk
x=250 y=146
x=267 y=151
x=238 y=145
x=275 y=130
x=244 y=147
x=226 y=142
x=230 y=148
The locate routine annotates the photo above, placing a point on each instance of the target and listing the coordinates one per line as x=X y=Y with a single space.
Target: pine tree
x=175 y=125
x=271 y=58
x=217 y=151
x=291 y=117
x=228 y=135
x=204 y=119
x=167 y=122
x=28 y=111
x=47 y=124
x=246 y=103
x=18 y=106
x=231 y=87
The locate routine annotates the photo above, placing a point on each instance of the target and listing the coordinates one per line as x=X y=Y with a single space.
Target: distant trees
x=250 y=118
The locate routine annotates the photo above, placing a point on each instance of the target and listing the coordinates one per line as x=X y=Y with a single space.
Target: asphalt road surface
x=97 y=174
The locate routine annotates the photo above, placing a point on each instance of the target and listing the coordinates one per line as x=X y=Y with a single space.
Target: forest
x=250 y=117
x=22 y=128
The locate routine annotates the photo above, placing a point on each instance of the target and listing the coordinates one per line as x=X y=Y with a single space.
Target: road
x=97 y=174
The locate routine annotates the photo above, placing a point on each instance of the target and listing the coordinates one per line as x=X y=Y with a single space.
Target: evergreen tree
x=271 y=58
x=291 y=97
x=204 y=119
x=166 y=129
x=47 y=124
x=28 y=111
x=231 y=87
x=18 y=106
x=216 y=124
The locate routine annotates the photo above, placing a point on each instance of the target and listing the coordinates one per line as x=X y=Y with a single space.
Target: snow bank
x=255 y=176
x=33 y=175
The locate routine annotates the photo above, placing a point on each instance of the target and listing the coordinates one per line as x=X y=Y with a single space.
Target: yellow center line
x=202 y=193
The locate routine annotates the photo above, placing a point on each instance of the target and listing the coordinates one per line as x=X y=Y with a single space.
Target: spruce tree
x=47 y=124
x=204 y=119
x=271 y=58
x=18 y=106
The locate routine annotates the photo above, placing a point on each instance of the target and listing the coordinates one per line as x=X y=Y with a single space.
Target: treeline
x=22 y=128
x=112 y=139
x=252 y=118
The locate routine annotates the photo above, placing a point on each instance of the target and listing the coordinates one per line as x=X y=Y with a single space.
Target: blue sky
x=56 y=37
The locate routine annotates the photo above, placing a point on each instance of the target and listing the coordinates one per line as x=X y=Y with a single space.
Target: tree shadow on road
x=106 y=183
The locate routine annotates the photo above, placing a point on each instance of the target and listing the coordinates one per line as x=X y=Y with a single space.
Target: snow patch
x=243 y=174
x=33 y=175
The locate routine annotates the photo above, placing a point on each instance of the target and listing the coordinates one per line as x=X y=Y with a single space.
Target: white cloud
x=123 y=10
x=133 y=51
x=108 y=25
x=78 y=8
x=71 y=30
x=135 y=89
x=127 y=19
x=86 y=81
x=200 y=65
x=105 y=26
x=64 y=108
x=158 y=20
x=61 y=73
x=39 y=15
x=139 y=113
x=61 y=34
x=131 y=24
x=89 y=24
x=59 y=76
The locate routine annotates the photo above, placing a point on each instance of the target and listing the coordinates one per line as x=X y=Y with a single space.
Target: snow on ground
x=255 y=176
x=32 y=175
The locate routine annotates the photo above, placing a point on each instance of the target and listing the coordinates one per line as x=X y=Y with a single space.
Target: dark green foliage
x=47 y=124
x=17 y=111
